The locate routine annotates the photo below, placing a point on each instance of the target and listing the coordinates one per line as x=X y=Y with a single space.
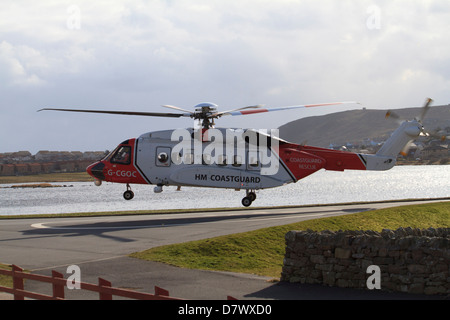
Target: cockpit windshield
x=109 y=155
x=122 y=155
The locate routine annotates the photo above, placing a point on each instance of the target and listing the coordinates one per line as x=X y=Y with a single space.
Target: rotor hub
x=206 y=112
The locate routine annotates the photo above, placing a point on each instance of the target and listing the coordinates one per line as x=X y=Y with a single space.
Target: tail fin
x=402 y=138
x=399 y=142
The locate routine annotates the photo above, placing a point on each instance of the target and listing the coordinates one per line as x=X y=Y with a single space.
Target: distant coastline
x=36 y=185
x=47 y=178
x=23 y=163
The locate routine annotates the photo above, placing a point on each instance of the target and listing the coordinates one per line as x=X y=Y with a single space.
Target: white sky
x=138 y=55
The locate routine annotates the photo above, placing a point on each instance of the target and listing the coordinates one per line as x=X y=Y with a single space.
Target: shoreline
x=84 y=177
x=36 y=185
x=47 y=178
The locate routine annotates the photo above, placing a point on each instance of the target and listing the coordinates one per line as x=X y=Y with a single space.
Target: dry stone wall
x=409 y=260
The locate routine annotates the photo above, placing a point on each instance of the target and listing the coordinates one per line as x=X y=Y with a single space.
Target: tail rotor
x=403 y=138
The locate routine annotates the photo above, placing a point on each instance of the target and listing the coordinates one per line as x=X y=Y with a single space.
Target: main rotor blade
x=425 y=109
x=392 y=115
x=128 y=113
x=219 y=114
x=263 y=110
x=176 y=108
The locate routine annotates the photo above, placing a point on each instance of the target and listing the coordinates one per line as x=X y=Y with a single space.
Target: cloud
x=19 y=65
x=136 y=54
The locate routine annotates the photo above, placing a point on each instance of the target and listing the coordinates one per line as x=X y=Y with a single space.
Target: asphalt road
x=100 y=245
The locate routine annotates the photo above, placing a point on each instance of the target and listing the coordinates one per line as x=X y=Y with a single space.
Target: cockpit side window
x=122 y=155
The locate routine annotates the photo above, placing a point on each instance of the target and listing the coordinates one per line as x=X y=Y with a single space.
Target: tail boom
x=342 y=160
x=302 y=161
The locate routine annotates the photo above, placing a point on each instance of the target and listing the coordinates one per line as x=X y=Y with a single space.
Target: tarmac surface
x=138 y=275
x=100 y=247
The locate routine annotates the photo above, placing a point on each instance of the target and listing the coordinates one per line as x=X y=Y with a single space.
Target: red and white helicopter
x=250 y=160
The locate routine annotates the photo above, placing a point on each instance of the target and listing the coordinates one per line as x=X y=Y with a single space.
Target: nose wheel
x=249 y=198
x=128 y=195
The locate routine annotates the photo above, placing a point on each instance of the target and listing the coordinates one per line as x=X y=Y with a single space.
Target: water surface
x=324 y=187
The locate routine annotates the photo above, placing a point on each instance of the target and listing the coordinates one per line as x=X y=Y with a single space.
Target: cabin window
x=177 y=158
x=122 y=155
x=237 y=161
x=254 y=163
x=206 y=159
x=222 y=160
x=163 y=157
x=253 y=160
x=189 y=157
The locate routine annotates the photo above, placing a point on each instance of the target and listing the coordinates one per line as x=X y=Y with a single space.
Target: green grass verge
x=6 y=281
x=262 y=251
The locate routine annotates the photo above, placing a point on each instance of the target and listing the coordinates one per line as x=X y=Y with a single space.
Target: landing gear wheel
x=247 y=202
x=128 y=195
x=252 y=196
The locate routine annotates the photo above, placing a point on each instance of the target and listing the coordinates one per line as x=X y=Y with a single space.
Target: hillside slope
x=356 y=125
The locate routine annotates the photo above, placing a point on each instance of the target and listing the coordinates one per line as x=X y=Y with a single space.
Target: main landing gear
x=128 y=195
x=249 y=198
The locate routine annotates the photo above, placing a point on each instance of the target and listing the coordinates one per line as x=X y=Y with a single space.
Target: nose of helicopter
x=96 y=170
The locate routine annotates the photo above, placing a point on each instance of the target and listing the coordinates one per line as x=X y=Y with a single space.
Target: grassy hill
x=356 y=125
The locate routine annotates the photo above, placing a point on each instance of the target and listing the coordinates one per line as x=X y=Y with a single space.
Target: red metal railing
x=104 y=288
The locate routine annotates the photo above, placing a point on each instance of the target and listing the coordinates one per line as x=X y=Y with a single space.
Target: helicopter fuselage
x=250 y=161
